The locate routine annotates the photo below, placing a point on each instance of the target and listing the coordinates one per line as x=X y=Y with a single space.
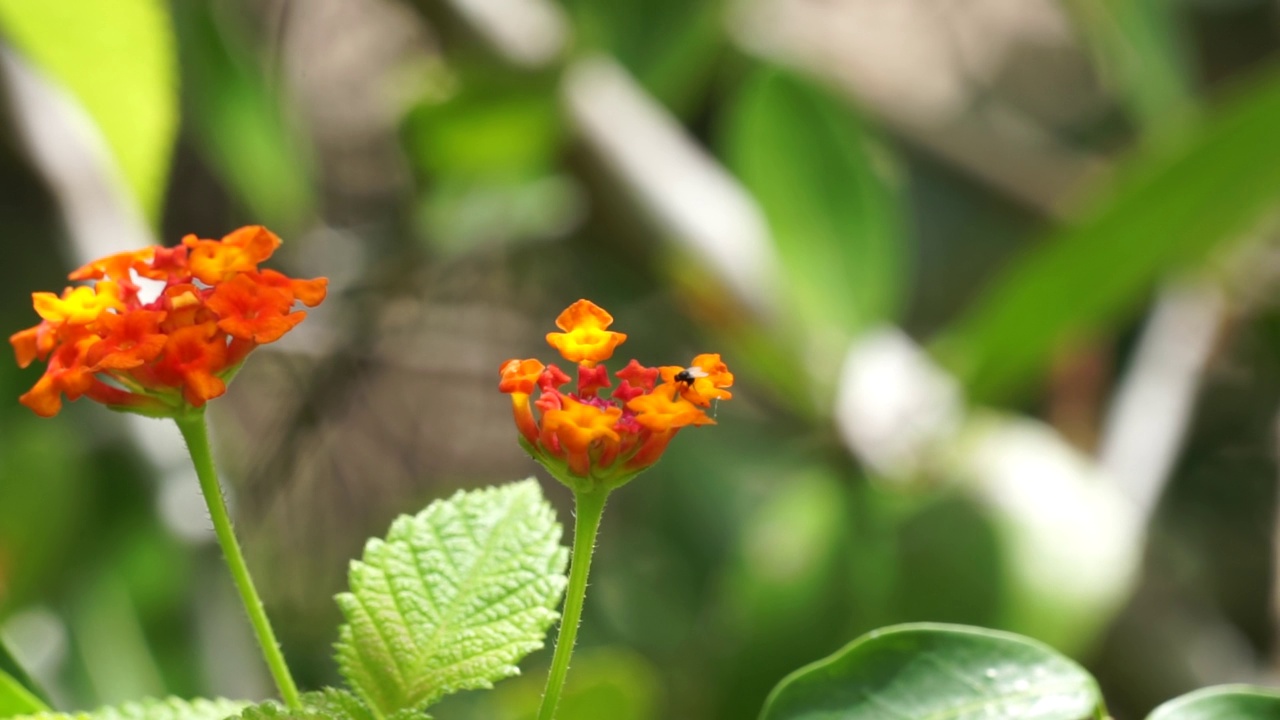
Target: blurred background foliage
x=997 y=278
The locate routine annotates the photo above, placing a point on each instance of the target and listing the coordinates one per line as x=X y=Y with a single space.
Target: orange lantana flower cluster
x=210 y=306
x=584 y=436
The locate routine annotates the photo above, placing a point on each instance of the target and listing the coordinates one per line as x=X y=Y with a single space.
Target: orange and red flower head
x=587 y=438
x=175 y=351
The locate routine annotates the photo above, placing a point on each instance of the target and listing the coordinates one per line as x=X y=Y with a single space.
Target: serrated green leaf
x=452 y=598
x=327 y=704
x=939 y=672
x=119 y=60
x=152 y=709
x=338 y=703
x=275 y=711
x=1223 y=702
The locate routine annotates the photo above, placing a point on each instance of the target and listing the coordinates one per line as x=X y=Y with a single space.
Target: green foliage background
x=442 y=175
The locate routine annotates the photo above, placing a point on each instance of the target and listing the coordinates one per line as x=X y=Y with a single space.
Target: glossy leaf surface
x=939 y=672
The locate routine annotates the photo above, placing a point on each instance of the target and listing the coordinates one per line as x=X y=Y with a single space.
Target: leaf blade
x=820 y=177
x=1221 y=702
x=119 y=59
x=1171 y=205
x=452 y=598
x=16 y=699
x=152 y=709
x=897 y=672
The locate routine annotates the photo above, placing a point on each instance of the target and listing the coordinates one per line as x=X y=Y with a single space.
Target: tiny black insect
x=689 y=374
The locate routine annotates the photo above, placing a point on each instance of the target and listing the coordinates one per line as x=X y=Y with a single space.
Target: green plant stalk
x=196 y=434
x=589 y=506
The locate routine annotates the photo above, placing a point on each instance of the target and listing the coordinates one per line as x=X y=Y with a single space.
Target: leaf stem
x=196 y=434
x=589 y=509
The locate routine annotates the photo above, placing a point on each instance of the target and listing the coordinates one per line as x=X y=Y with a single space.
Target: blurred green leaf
x=1223 y=702
x=1169 y=207
x=493 y=126
x=605 y=683
x=941 y=672
x=34 y=516
x=1138 y=42
x=238 y=121
x=16 y=699
x=790 y=548
x=670 y=46
x=118 y=59
x=489 y=151
x=26 y=691
x=459 y=217
x=453 y=598
x=820 y=177
x=150 y=709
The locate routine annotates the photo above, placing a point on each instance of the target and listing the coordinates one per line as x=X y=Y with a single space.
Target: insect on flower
x=587 y=439
x=689 y=374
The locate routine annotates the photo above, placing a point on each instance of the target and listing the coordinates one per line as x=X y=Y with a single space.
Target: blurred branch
x=1148 y=419
x=526 y=34
x=902 y=67
x=691 y=198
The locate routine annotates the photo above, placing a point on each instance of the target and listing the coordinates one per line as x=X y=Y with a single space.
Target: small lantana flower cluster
x=586 y=437
x=165 y=355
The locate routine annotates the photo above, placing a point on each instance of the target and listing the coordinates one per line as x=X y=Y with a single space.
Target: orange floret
x=586 y=339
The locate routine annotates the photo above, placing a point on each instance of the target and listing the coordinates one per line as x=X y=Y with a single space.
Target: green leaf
x=1140 y=44
x=493 y=127
x=670 y=46
x=327 y=704
x=237 y=119
x=606 y=682
x=1223 y=702
x=453 y=597
x=16 y=699
x=151 y=709
x=19 y=693
x=1171 y=206
x=939 y=672
x=820 y=177
x=337 y=703
x=119 y=60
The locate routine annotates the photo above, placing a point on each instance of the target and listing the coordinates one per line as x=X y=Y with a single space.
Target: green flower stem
x=197 y=437
x=589 y=509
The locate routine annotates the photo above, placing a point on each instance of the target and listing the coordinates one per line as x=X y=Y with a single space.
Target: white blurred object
x=39 y=641
x=530 y=33
x=693 y=198
x=894 y=406
x=1073 y=541
x=1148 y=419
x=67 y=148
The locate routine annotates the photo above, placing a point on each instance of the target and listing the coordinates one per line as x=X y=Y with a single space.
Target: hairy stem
x=589 y=510
x=197 y=436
